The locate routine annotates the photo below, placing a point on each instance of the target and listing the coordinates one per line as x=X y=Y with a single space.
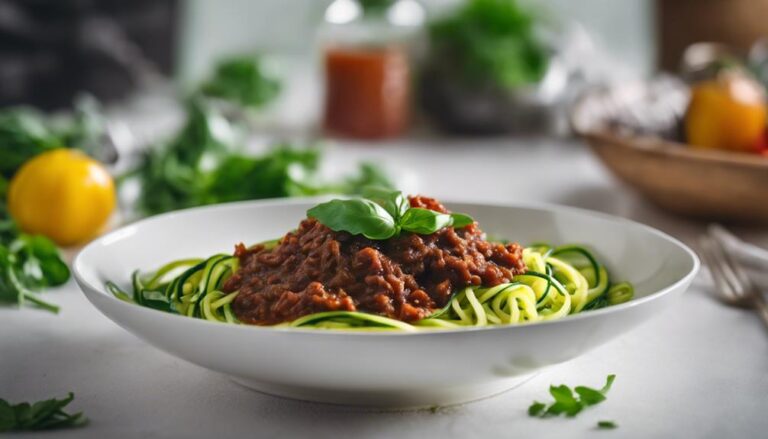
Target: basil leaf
x=358 y=217
x=608 y=425
x=424 y=221
x=461 y=220
x=394 y=202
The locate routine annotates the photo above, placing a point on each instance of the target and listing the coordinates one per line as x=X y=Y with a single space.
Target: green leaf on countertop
x=536 y=409
x=589 y=396
x=606 y=425
x=608 y=383
x=565 y=402
x=571 y=402
x=42 y=415
x=28 y=263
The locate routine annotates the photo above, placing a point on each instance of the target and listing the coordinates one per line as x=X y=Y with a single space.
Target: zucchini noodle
x=560 y=281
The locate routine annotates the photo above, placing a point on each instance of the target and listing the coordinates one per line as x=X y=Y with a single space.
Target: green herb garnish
x=29 y=263
x=570 y=402
x=606 y=425
x=382 y=215
x=42 y=415
x=206 y=164
x=242 y=80
x=490 y=41
x=25 y=133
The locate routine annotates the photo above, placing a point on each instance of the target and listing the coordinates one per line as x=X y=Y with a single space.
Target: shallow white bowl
x=382 y=369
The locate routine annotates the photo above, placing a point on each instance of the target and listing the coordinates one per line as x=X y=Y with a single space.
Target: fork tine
x=731 y=263
x=715 y=270
x=732 y=272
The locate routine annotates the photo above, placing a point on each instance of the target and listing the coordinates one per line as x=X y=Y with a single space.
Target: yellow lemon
x=62 y=194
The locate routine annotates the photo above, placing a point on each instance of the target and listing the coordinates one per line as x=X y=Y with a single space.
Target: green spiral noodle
x=560 y=281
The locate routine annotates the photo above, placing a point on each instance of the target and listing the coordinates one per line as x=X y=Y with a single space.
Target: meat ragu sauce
x=408 y=277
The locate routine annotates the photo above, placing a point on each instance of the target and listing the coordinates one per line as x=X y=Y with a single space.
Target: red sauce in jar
x=367 y=92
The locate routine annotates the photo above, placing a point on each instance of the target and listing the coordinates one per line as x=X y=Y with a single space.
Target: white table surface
x=697 y=370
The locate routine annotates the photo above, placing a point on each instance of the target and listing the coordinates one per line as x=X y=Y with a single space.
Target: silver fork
x=733 y=285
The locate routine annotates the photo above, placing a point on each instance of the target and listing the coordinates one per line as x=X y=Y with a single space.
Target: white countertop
x=697 y=370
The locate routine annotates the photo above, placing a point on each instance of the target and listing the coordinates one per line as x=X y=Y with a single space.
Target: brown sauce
x=408 y=277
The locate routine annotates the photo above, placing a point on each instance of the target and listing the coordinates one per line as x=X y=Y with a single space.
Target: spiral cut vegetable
x=190 y=287
x=560 y=281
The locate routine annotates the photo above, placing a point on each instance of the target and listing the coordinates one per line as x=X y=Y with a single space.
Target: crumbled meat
x=407 y=277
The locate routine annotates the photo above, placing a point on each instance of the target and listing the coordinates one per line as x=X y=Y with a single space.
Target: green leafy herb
x=424 y=221
x=461 y=220
x=394 y=202
x=536 y=409
x=204 y=165
x=29 y=263
x=607 y=425
x=358 y=217
x=490 y=40
x=25 y=133
x=569 y=403
x=42 y=415
x=383 y=216
x=375 y=7
x=242 y=80
x=589 y=396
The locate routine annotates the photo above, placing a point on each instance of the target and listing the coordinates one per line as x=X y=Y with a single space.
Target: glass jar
x=366 y=53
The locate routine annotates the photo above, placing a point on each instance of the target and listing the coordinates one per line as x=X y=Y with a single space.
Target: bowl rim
x=654 y=144
x=88 y=288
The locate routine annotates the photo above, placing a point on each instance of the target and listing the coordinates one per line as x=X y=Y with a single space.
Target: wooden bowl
x=706 y=184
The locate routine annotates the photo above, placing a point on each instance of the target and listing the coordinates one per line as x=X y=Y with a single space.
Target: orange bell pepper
x=728 y=112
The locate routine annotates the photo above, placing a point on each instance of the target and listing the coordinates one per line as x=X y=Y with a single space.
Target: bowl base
x=413 y=399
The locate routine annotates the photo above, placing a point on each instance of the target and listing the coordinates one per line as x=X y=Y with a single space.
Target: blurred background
x=648 y=109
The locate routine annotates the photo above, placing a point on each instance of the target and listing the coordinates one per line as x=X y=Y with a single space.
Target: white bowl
x=382 y=369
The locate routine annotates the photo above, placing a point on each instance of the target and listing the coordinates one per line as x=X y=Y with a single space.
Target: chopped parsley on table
x=48 y=414
x=570 y=402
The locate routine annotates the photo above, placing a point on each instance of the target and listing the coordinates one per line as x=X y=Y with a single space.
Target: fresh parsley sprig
x=28 y=263
x=42 y=415
x=570 y=402
x=382 y=215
